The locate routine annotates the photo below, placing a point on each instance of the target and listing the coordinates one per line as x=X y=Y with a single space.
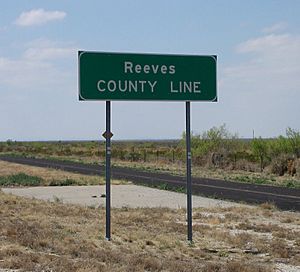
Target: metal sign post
x=107 y=169
x=147 y=77
x=188 y=170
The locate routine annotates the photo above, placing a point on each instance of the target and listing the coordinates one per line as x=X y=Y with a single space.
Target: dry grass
x=218 y=173
x=51 y=175
x=178 y=168
x=44 y=236
x=37 y=236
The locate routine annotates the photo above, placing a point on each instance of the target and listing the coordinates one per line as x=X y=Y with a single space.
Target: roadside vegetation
x=43 y=236
x=217 y=153
x=20 y=179
x=13 y=175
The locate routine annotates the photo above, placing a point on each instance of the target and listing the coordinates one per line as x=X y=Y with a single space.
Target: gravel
x=280 y=267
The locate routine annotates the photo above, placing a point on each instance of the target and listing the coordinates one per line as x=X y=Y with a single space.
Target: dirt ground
x=37 y=235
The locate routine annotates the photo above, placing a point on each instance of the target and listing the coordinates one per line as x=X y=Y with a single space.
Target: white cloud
x=271 y=44
x=49 y=53
x=275 y=28
x=41 y=64
x=21 y=73
x=276 y=55
x=38 y=17
x=264 y=90
x=42 y=49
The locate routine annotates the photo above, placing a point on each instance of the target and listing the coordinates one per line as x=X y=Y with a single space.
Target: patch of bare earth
x=37 y=236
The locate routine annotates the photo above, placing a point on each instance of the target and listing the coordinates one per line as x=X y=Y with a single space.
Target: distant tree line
x=214 y=148
x=218 y=147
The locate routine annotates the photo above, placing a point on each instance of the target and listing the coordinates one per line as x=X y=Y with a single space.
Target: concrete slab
x=132 y=196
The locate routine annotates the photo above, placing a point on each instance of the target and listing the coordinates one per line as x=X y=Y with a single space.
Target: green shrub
x=279 y=146
x=252 y=179
x=294 y=141
x=20 y=179
x=66 y=182
x=292 y=184
x=259 y=148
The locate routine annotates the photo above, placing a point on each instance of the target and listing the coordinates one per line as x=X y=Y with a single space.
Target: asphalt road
x=283 y=198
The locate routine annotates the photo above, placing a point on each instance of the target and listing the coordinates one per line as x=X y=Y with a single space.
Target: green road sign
x=117 y=76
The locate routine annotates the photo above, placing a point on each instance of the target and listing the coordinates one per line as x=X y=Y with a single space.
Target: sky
x=257 y=44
